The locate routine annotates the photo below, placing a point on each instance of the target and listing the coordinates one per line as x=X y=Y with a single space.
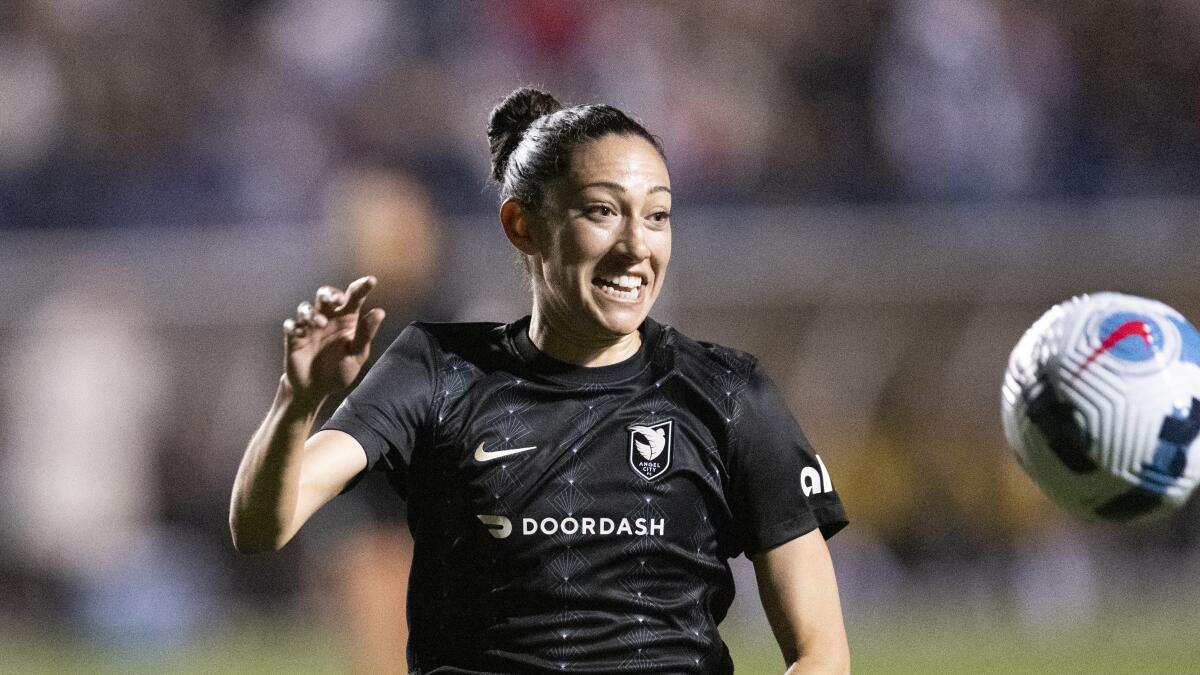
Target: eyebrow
x=617 y=187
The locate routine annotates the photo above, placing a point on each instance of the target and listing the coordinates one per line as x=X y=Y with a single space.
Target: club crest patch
x=650 y=449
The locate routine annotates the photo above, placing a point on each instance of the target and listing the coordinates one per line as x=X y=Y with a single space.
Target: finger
x=368 y=326
x=304 y=312
x=307 y=317
x=292 y=329
x=328 y=298
x=356 y=293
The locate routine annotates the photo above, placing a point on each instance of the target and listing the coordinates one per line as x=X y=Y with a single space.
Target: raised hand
x=328 y=340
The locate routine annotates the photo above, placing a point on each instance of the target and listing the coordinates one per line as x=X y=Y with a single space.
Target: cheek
x=565 y=253
x=574 y=247
x=581 y=244
x=662 y=249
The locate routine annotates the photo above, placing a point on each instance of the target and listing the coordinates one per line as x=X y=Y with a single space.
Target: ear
x=515 y=219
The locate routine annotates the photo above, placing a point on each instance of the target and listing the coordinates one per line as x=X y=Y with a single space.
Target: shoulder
x=731 y=380
x=458 y=335
x=707 y=360
x=481 y=344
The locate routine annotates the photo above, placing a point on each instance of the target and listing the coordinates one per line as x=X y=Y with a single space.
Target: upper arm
x=799 y=594
x=331 y=460
x=375 y=428
x=390 y=411
x=778 y=487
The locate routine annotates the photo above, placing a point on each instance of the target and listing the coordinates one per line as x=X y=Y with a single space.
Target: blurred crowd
x=270 y=145
x=233 y=112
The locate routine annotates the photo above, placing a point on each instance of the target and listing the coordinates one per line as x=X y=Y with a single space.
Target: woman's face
x=604 y=239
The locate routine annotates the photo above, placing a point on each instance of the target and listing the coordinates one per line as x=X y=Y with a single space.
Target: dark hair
x=546 y=133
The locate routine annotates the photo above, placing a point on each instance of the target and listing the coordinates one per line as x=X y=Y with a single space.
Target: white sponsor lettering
x=641 y=527
x=815 y=480
x=810 y=480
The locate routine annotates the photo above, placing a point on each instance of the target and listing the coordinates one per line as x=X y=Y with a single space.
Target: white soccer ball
x=1101 y=403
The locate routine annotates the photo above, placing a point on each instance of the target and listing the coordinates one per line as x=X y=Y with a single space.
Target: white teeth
x=624 y=281
x=624 y=295
x=623 y=287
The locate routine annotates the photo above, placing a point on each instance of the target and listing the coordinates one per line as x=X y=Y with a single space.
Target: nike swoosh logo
x=1128 y=329
x=483 y=456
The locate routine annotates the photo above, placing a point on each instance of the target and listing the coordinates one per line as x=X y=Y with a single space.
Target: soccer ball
x=1101 y=403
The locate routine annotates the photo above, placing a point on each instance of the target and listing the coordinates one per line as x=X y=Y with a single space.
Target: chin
x=619 y=319
x=622 y=323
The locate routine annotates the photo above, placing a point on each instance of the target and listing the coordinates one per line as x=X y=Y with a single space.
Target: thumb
x=368 y=326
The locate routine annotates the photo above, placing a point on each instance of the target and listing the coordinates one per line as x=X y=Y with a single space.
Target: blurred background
x=876 y=197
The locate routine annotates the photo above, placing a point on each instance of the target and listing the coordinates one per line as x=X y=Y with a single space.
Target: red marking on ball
x=1127 y=329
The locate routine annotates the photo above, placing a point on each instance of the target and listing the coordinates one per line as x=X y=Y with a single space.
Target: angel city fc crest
x=650 y=449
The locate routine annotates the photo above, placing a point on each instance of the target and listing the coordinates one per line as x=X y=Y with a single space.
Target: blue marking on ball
x=1132 y=347
x=1190 y=351
x=1179 y=430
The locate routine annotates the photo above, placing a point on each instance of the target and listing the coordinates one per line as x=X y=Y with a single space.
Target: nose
x=633 y=239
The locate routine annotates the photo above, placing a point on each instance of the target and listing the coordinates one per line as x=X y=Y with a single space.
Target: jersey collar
x=541 y=364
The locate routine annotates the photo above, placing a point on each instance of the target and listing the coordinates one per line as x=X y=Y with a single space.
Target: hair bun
x=510 y=119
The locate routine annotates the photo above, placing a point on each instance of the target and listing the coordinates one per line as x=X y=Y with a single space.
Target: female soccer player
x=576 y=480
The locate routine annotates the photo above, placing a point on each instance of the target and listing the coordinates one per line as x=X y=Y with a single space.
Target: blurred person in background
x=79 y=487
x=965 y=97
x=379 y=219
x=647 y=460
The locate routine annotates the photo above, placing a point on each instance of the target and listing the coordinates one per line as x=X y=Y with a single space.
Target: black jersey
x=580 y=519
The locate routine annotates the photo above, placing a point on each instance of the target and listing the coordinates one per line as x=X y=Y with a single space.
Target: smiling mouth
x=623 y=287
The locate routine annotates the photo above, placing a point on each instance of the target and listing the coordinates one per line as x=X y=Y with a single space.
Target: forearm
x=799 y=595
x=826 y=656
x=821 y=664
x=266 y=489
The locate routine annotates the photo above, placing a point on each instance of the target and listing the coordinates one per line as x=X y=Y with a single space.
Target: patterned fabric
x=572 y=519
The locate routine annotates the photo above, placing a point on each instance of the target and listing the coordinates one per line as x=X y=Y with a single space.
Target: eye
x=600 y=210
x=660 y=217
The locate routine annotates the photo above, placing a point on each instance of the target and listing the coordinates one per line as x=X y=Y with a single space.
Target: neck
x=582 y=350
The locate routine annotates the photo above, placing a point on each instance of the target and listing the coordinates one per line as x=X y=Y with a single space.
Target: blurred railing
x=843 y=255
x=888 y=327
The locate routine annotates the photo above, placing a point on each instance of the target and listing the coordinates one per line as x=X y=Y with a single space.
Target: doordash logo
x=498 y=526
x=501 y=527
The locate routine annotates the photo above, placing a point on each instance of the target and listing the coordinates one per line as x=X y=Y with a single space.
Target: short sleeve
x=779 y=487
x=388 y=411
